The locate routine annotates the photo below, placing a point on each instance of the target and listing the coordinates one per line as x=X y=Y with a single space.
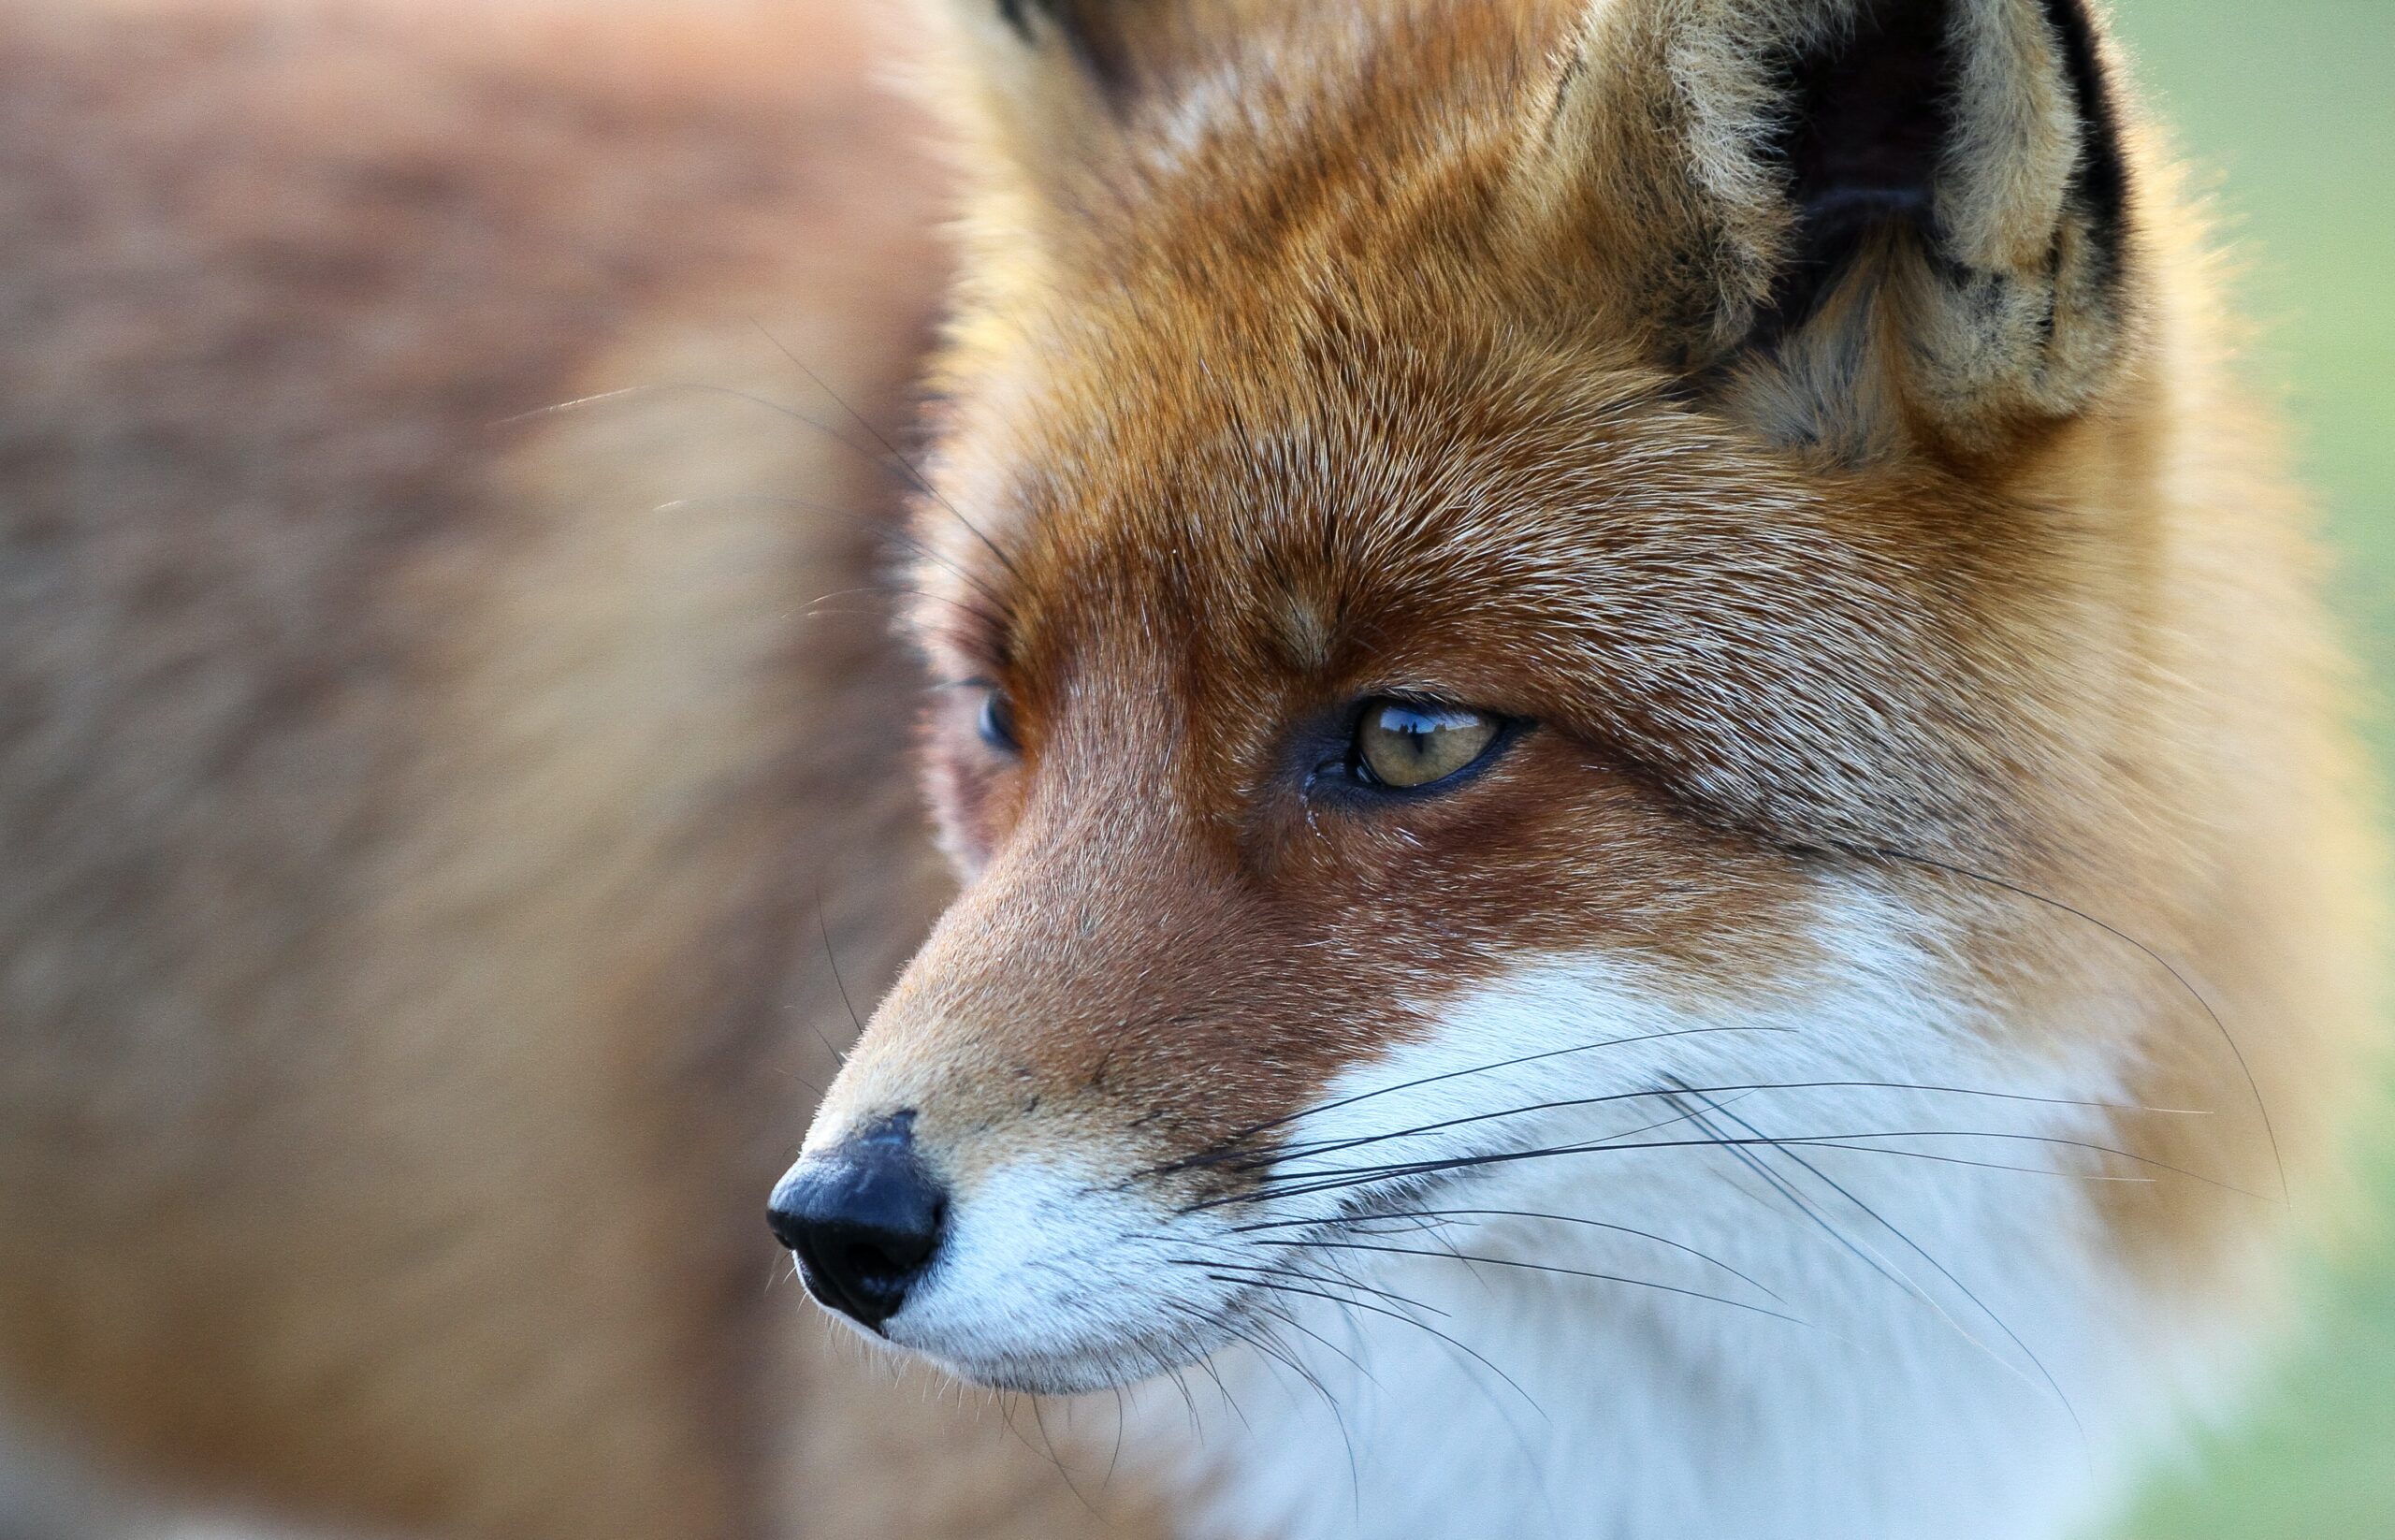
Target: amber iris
x=1404 y=745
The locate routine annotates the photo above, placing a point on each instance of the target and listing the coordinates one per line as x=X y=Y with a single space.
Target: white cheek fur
x=1787 y=1306
x=1801 y=1258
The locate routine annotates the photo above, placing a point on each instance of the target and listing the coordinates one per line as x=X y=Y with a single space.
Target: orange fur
x=416 y=814
x=2081 y=652
x=1305 y=355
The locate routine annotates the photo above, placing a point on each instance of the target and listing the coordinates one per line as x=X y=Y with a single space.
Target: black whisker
x=1300 y=1152
x=1264 y=1191
x=1277 y=1352
x=823 y=927
x=1818 y=1175
x=1536 y=1267
x=923 y=484
x=1283 y=1269
x=1225 y=1148
x=1755 y=1163
x=1303 y=1183
x=1520 y=1214
x=1205 y=1362
x=2253 y=1087
x=1040 y=1418
x=1338 y=1418
x=1396 y=1316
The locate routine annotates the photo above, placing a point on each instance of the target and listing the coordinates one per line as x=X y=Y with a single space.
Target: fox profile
x=1652 y=828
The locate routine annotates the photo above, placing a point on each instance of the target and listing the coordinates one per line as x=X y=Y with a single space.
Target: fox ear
x=1049 y=83
x=1861 y=222
x=1096 y=33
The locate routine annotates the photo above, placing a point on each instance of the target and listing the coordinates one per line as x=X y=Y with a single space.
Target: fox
x=1637 y=817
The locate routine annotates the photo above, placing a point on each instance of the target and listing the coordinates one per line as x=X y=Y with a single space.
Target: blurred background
x=2289 y=111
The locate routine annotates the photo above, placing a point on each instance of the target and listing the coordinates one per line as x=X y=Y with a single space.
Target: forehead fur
x=1299 y=391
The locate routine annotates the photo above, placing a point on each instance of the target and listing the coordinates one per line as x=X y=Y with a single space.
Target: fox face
x=1543 y=618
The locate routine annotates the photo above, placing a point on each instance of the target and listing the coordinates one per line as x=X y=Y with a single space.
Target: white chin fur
x=1686 y=1328
x=1052 y=1278
x=1835 y=1340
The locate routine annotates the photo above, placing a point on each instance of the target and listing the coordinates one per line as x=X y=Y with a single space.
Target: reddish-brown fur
x=1339 y=396
x=1361 y=386
x=414 y=841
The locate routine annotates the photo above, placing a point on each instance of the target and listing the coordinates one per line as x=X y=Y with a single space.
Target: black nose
x=863 y=1218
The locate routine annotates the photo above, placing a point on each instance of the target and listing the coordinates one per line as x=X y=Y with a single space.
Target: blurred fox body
x=415 y=819
x=1839 y=1058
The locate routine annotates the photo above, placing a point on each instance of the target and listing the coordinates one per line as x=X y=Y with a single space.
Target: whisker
x=1303 y=1184
x=2253 y=1087
x=915 y=478
x=1205 y=1361
x=923 y=484
x=1394 y=1299
x=823 y=927
x=1396 y=1316
x=1523 y=1214
x=818 y=605
x=1869 y=1256
x=2051 y=1383
x=1334 y=1146
x=1264 y=1344
x=1221 y=1147
x=1295 y=1325
x=1040 y=1418
x=1264 y=1191
x=1983 y=1165
x=1537 y=1267
x=924 y=552
x=1755 y=1163
x=662 y=387
x=1355 y=1469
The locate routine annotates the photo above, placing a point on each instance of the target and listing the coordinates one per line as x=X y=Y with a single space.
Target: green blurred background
x=2288 y=108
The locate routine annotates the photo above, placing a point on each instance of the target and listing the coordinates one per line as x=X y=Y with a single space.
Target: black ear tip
x=2102 y=177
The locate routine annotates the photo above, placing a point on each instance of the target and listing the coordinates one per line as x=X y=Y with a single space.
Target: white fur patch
x=1052 y=1277
x=1908 y=1331
x=1810 y=1258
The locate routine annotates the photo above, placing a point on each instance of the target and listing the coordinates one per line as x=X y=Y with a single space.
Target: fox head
x=1505 y=582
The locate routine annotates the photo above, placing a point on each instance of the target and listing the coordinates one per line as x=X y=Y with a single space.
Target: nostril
x=864 y=1219
x=788 y=1225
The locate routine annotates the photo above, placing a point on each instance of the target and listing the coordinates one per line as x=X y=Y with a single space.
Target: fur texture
x=1831 y=1072
x=1846 y=1061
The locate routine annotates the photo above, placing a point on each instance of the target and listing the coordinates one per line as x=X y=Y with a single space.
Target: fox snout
x=1008 y=1174
x=864 y=1219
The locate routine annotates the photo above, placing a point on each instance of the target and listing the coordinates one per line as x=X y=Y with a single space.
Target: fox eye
x=1405 y=745
x=997 y=723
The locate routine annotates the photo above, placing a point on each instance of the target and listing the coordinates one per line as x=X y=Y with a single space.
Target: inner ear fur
x=1855 y=224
